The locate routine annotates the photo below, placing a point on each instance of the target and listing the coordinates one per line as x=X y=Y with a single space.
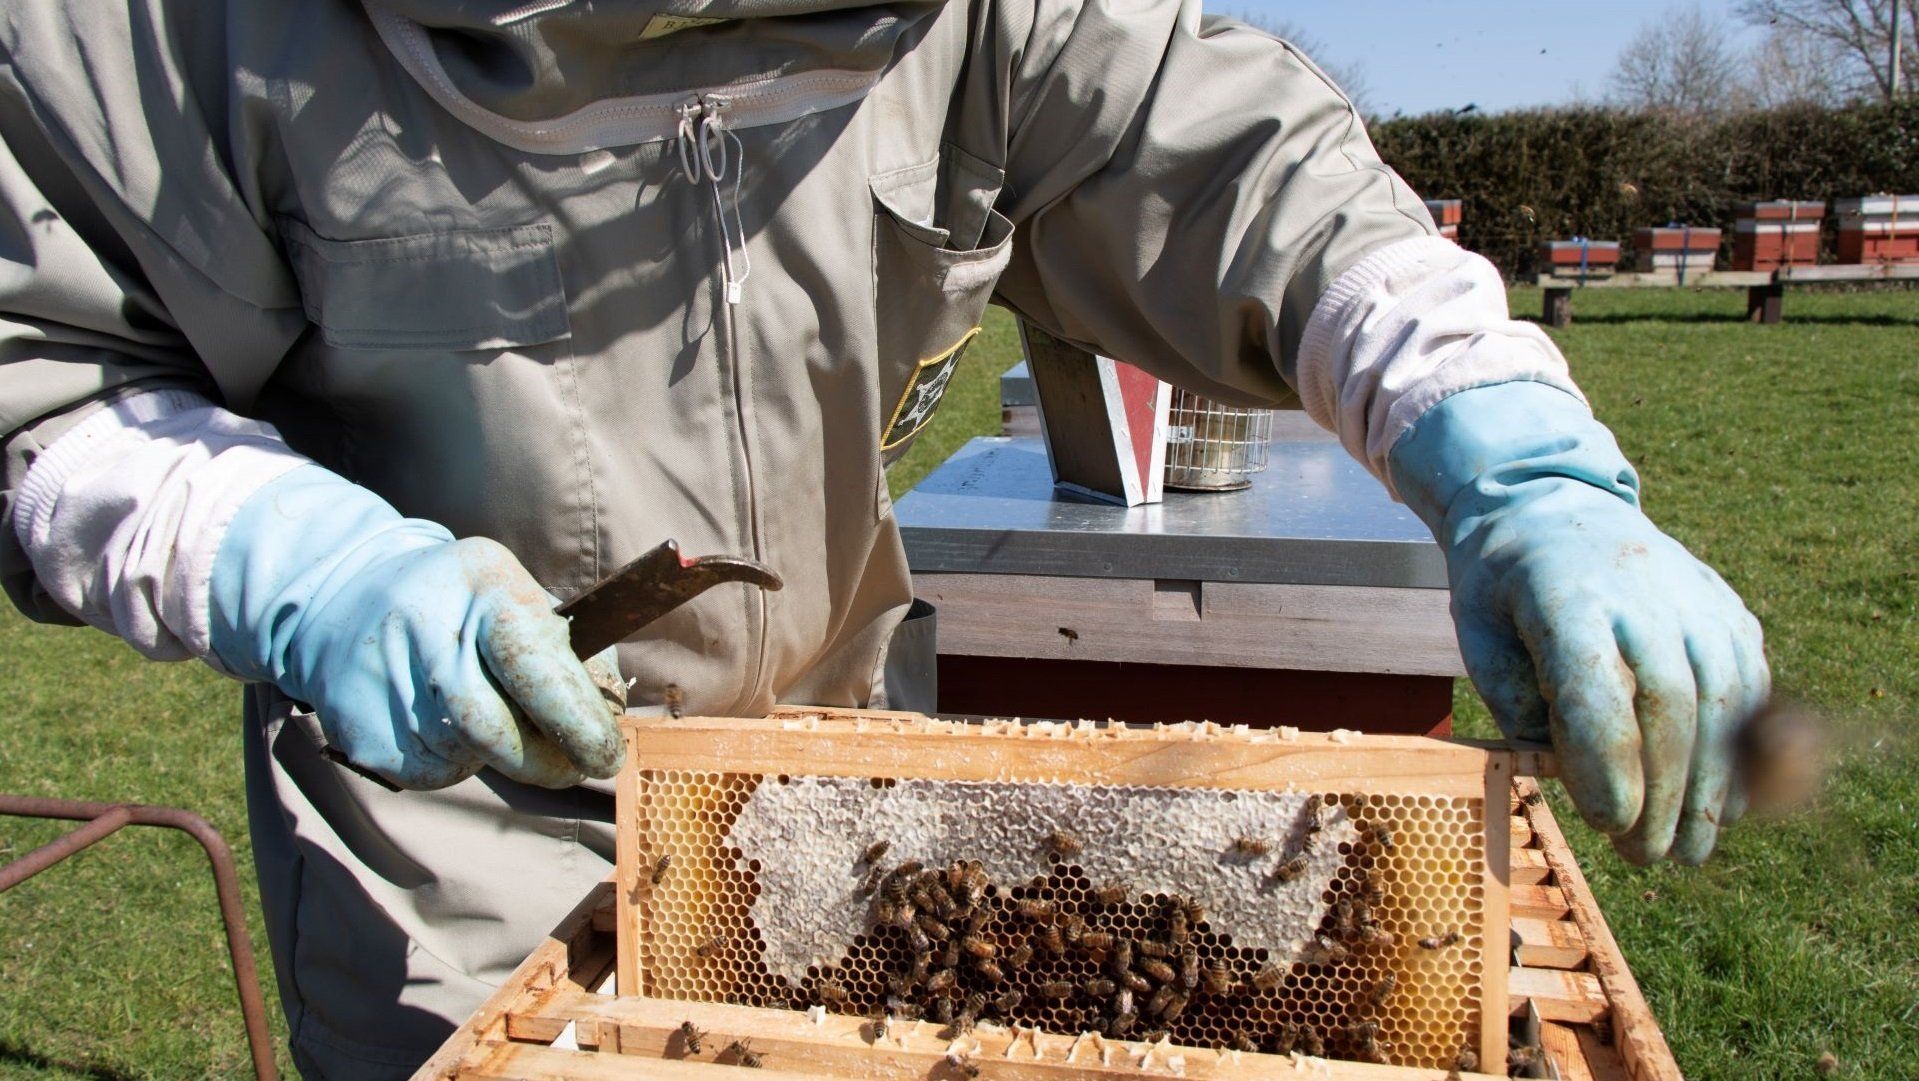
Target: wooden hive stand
x=556 y=1017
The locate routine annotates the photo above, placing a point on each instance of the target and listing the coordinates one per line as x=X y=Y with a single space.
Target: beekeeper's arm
x=135 y=502
x=1197 y=198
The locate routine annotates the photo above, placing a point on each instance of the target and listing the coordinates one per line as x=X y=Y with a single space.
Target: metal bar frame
x=103 y=820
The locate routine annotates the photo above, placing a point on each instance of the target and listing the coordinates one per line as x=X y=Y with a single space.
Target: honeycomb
x=1366 y=987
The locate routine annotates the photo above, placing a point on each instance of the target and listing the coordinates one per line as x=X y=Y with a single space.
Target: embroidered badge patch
x=923 y=392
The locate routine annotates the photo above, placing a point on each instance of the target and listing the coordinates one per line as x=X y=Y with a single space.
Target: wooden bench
x=1765 y=289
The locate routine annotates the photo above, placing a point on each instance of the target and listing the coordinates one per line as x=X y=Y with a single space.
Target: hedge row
x=1602 y=173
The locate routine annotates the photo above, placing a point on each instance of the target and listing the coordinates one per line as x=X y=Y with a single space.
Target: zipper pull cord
x=706 y=156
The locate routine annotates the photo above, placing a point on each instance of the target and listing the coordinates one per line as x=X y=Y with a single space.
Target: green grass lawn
x=1787 y=456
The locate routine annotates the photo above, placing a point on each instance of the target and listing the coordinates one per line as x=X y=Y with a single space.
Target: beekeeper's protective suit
x=574 y=278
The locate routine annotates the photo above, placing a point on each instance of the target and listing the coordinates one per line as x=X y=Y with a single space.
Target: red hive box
x=1579 y=258
x=1446 y=214
x=1679 y=249
x=1776 y=233
x=1879 y=229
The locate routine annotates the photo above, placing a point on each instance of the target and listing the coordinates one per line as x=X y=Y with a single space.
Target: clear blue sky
x=1420 y=55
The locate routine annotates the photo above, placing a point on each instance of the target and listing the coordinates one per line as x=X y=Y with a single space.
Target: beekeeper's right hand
x=425 y=657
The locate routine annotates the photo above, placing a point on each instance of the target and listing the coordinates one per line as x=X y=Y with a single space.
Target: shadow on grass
x=12 y=1054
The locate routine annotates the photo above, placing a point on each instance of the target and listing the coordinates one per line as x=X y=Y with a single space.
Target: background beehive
x=696 y=938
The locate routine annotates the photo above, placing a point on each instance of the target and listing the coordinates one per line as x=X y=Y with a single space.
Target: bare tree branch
x=1682 y=62
x=1859 y=30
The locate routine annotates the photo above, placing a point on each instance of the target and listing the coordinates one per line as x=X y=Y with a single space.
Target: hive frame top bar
x=1084 y=752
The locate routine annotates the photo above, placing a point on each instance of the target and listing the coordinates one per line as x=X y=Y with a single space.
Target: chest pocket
x=459 y=290
x=938 y=248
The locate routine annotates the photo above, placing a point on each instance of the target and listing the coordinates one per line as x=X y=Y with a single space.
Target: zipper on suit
x=712 y=157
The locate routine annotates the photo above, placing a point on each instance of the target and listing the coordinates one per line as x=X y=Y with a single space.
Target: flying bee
x=989 y=971
x=1035 y=909
x=831 y=993
x=1440 y=942
x=1110 y=896
x=1189 y=968
x=875 y=851
x=1216 y=978
x=675 y=701
x=1251 y=846
x=693 y=1037
x=1055 y=989
x=1268 y=976
x=660 y=867
x=941 y=982
x=1243 y=1042
x=1021 y=955
x=1099 y=987
x=1049 y=940
x=1063 y=845
x=1382 y=990
x=1008 y=1001
x=1159 y=971
x=1096 y=941
x=975 y=946
x=742 y=1054
x=711 y=946
x=1291 y=869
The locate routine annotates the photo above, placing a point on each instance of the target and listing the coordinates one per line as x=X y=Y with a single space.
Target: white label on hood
x=661 y=25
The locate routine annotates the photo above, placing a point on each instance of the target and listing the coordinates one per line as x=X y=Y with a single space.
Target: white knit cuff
x=1402 y=330
x=122 y=515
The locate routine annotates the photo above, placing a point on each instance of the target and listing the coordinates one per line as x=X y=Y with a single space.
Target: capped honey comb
x=1395 y=860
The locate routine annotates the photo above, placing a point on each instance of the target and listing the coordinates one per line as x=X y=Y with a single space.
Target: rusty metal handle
x=104 y=820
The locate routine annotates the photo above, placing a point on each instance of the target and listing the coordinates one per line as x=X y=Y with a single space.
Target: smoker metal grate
x=1211 y=446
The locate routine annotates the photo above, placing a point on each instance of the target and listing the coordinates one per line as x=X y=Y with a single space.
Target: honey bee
x=1049 y=940
x=1176 y=926
x=1122 y=958
x=1291 y=869
x=905 y=915
x=1268 y=976
x=1286 y=1038
x=1383 y=837
x=1063 y=845
x=950 y=956
x=1072 y=929
x=1161 y=999
x=1021 y=955
x=880 y=1025
x=1149 y=948
x=1251 y=846
x=1035 y=909
x=975 y=946
x=990 y=971
x=1216 y=978
x=1363 y=1037
x=1376 y=936
x=1098 y=987
x=1373 y=893
x=742 y=1054
x=1110 y=896
x=831 y=993
x=1008 y=1001
x=1096 y=941
x=1243 y=1042
x=1523 y=1057
x=1345 y=926
x=910 y=870
x=1123 y=1022
x=675 y=701
x=1325 y=951
x=1055 y=989
x=893 y=887
x=1535 y=798
x=1158 y=971
x=925 y=923
x=942 y=1011
x=1195 y=911
x=875 y=851
x=872 y=882
x=941 y=982
x=963 y=1063
x=1310 y=1043
x=1440 y=942
x=940 y=901
x=660 y=867
x=1382 y=990
x=1189 y=968
x=1123 y=1000
x=711 y=946
x=1134 y=982
x=917 y=939
x=1466 y=1061
x=693 y=1037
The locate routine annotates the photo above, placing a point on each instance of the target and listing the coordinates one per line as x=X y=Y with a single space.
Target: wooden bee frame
x=554 y=1017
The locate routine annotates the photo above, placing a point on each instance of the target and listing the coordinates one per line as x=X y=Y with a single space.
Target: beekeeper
x=341 y=340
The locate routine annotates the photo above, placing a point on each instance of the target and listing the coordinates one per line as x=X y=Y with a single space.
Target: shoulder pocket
x=468 y=289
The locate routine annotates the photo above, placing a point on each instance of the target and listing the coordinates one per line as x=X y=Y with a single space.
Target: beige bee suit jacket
x=477 y=258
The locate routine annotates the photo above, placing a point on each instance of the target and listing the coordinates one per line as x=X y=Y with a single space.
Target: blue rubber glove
x=1580 y=621
x=425 y=657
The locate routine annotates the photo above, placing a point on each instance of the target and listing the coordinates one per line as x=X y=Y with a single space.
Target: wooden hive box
x=555 y=1019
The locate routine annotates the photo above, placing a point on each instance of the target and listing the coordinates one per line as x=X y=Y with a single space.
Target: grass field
x=1788 y=456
